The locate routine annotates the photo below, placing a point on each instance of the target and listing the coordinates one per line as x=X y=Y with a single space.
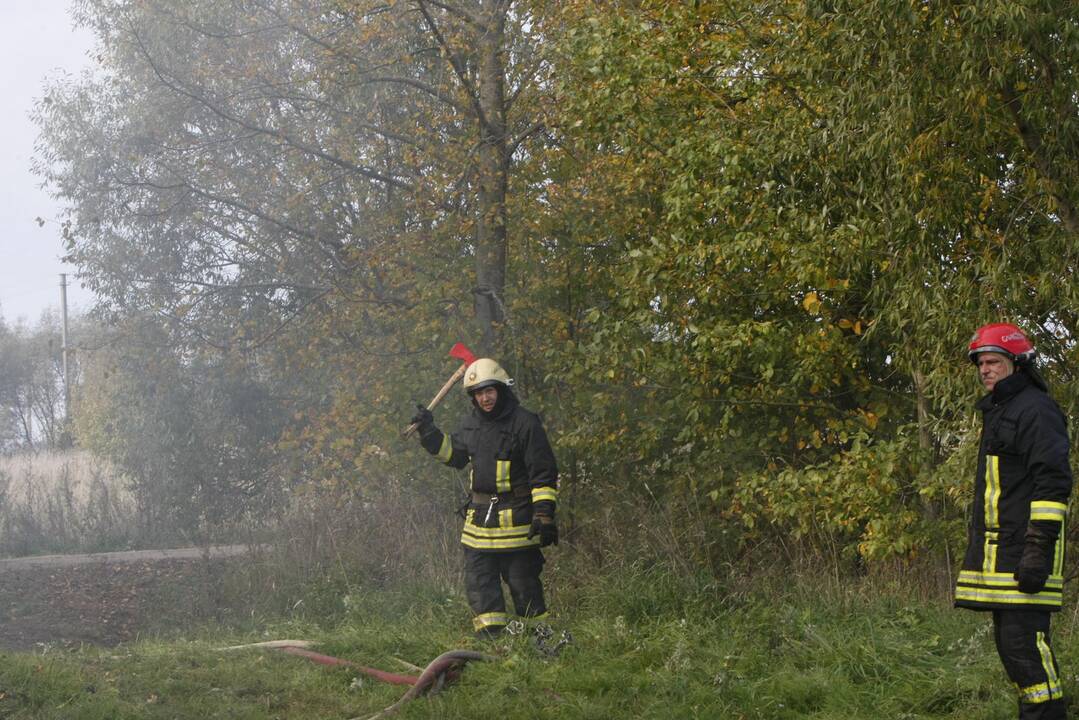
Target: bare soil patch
x=103 y=599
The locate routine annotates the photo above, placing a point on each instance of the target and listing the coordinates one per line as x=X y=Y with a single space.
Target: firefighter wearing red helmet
x=514 y=489
x=1015 y=555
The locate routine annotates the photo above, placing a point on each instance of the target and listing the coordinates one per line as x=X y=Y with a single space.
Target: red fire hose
x=444 y=668
x=387 y=677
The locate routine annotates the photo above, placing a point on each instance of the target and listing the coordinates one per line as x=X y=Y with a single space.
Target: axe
x=461 y=352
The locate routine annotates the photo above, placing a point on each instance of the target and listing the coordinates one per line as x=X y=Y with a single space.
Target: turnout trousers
x=484 y=574
x=1022 y=639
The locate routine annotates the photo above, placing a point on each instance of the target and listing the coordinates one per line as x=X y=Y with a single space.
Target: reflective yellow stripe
x=512 y=537
x=1036 y=693
x=494 y=532
x=992 y=492
x=544 y=493
x=1047 y=510
x=471 y=479
x=487 y=620
x=1053 y=682
x=1058 y=512
x=1002 y=589
x=518 y=543
x=502 y=476
x=446 y=449
x=1058 y=553
x=989 y=553
x=505 y=518
x=1002 y=579
x=1007 y=596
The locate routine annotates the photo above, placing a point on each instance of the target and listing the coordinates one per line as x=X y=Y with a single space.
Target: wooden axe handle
x=407 y=432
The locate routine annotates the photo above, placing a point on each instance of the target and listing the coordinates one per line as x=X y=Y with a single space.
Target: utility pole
x=63 y=345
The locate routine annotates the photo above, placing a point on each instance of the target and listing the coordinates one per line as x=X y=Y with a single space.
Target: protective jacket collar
x=1005 y=390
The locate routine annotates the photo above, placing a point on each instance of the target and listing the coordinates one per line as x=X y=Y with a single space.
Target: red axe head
x=461 y=352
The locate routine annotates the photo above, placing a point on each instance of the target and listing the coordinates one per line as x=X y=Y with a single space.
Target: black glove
x=545 y=527
x=1033 y=569
x=423 y=420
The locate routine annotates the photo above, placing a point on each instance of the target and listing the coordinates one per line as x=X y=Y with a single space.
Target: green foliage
x=809 y=210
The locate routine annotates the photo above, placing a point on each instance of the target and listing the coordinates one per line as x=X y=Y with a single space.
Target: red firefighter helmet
x=1003 y=338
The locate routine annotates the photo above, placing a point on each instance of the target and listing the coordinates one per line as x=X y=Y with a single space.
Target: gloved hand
x=545 y=527
x=424 y=420
x=1033 y=569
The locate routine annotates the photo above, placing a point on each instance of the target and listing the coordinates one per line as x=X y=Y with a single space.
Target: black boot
x=490 y=633
x=1052 y=710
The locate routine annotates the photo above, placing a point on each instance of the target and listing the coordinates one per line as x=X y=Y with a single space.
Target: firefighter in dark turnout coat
x=1014 y=561
x=514 y=486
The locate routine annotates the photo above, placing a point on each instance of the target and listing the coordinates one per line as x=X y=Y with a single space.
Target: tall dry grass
x=62 y=502
x=324 y=546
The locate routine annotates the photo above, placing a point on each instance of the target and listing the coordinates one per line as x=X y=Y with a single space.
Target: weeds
x=62 y=502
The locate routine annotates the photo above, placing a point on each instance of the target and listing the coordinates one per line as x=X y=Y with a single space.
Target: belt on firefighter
x=487 y=498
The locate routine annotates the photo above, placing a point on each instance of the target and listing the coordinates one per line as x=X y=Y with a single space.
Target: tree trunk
x=926 y=446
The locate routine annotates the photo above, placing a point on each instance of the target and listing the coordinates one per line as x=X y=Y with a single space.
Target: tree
x=325 y=183
x=193 y=433
x=32 y=412
x=823 y=199
x=254 y=159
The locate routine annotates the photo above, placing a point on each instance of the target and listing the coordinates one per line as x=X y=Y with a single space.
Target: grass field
x=647 y=644
x=650 y=640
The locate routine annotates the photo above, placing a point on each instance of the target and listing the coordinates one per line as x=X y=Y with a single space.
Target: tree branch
x=176 y=86
x=528 y=132
x=1032 y=141
x=459 y=12
x=455 y=62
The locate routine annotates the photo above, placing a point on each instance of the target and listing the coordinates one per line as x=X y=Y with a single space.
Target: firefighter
x=1014 y=561
x=514 y=489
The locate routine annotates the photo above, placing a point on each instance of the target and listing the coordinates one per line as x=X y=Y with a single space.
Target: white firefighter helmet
x=485 y=372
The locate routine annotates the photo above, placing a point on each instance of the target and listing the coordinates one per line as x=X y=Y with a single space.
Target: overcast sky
x=37 y=41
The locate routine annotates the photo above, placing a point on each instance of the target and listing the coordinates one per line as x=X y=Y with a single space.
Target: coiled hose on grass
x=434 y=676
x=444 y=668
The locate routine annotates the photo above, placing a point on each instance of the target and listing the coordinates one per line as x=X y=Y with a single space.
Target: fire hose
x=444 y=668
x=433 y=677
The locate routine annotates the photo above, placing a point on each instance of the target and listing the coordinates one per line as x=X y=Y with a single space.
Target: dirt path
x=212 y=552
x=108 y=598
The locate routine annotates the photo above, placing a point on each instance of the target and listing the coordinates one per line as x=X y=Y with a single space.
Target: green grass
x=646 y=645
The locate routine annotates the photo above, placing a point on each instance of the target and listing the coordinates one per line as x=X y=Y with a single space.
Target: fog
x=37 y=41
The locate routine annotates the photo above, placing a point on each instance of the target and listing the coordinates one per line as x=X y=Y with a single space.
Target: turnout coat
x=1023 y=478
x=513 y=473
